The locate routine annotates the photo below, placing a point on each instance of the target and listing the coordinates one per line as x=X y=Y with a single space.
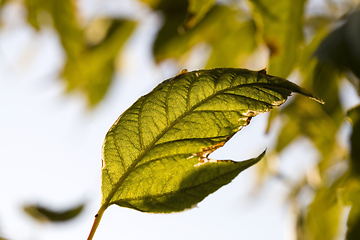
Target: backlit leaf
x=155 y=156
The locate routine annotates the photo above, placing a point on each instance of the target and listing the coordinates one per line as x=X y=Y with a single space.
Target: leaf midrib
x=152 y=144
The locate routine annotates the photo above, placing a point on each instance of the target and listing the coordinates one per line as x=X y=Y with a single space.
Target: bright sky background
x=50 y=145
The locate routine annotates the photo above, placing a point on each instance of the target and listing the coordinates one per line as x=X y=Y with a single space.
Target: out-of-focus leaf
x=88 y=69
x=235 y=42
x=35 y=7
x=152 y=3
x=281 y=22
x=302 y=233
x=63 y=16
x=319 y=122
x=349 y=194
x=311 y=121
x=196 y=11
x=307 y=66
x=92 y=70
x=341 y=48
x=2 y=3
x=324 y=81
x=307 y=119
x=155 y=156
x=221 y=28
x=290 y=131
x=98 y=30
x=323 y=218
x=322 y=78
x=353 y=232
x=174 y=14
x=42 y=214
x=354 y=115
x=315 y=24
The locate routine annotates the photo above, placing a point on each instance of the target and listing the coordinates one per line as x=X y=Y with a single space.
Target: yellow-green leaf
x=155 y=156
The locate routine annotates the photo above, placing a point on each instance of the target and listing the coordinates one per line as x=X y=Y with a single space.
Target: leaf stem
x=97 y=221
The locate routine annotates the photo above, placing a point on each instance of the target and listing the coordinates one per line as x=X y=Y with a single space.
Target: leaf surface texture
x=155 y=156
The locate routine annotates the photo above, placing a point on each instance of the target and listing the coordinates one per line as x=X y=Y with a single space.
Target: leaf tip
x=263 y=71
x=319 y=100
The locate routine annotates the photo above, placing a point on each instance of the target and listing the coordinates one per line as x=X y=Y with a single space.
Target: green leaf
x=290 y=131
x=230 y=37
x=323 y=218
x=42 y=214
x=88 y=69
x=174 y=13
x=308 y=119
x=353 y=232
x=196 y=11
x=62 y=15
x=349 y=194
x=155 y=156
x=91 y=71
x=318 y=122
x=354 y=115
x=341 y=47
x=233 y=43
x=281 y=22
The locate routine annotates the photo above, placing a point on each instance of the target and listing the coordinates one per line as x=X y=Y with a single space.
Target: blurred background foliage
x=320 y=49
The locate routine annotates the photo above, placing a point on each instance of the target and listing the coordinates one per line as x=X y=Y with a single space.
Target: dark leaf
x=42 y=213
x=354 y=115
x=341 y=48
